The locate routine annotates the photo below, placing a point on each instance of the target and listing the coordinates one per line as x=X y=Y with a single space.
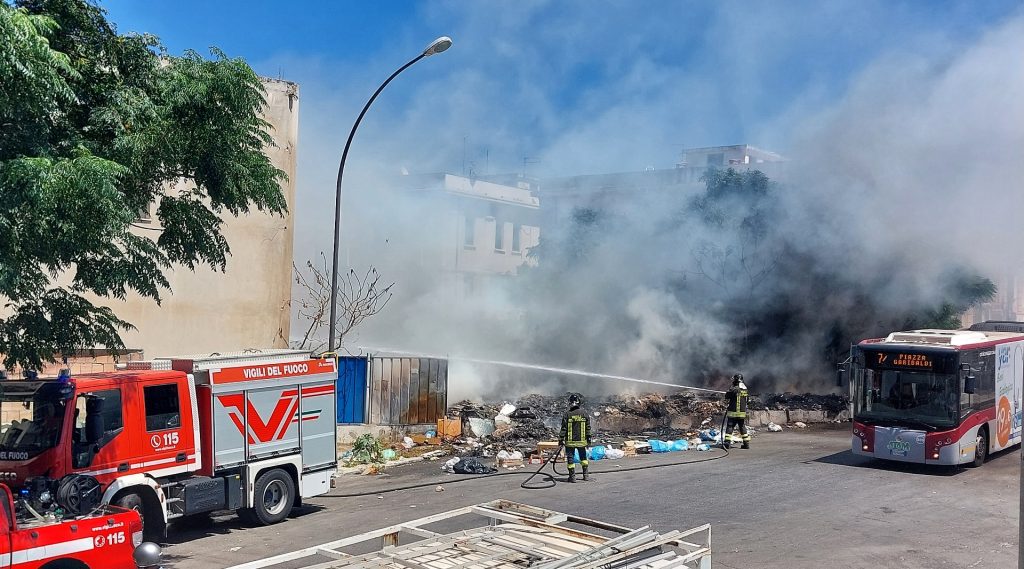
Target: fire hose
x=547 y=480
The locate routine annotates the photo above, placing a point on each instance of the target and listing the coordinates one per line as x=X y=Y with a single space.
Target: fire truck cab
x=107 y=537
x=251 y=432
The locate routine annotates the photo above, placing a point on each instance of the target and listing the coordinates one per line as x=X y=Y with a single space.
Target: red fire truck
x=104 y=538
x=939 y=396
x=252 y=432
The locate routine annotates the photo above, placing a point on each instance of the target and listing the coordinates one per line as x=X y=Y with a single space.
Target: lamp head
x=437 y=46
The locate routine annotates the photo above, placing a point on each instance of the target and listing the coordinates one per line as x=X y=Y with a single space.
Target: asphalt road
x=796 y=499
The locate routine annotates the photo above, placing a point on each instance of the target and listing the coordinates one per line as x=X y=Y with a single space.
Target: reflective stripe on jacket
x=736 y=403
x=575 y=429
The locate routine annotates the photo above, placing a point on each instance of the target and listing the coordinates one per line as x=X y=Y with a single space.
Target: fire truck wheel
x=981 y=451
x=133 y=501
x=274 y=497
x=65 y=564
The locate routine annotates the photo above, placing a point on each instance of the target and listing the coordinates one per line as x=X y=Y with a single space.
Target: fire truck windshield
x=920 y=399
x=33 y=415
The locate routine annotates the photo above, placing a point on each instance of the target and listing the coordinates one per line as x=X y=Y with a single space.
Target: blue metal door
x=351 y=389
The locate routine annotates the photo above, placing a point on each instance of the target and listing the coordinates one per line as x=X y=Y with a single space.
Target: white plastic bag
x=449 y=466
x=774 y=428
x=507 y=409
x=481 y=427
x=408 y=443
x=614 y=453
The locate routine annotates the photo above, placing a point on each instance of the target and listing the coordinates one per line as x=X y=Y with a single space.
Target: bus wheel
x=981 y=450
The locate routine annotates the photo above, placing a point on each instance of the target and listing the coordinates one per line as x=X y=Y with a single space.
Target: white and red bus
x=938 y=396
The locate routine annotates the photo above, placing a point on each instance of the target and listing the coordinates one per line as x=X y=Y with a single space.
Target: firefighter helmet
x=737 y=379
x=575 y=400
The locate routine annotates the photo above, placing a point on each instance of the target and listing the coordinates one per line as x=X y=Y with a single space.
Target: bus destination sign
x=912 y=360
x=903 y=360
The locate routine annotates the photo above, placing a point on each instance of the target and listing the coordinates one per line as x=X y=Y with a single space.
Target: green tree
x=94 y=129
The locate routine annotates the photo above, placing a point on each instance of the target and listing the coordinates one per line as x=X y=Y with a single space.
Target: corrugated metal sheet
x=351 y=389
x=407 y=390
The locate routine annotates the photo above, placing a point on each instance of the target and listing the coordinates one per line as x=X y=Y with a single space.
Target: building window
x=162 y=408
x=499 y=236
x=145 y=214
x=469 y=231
x=516 y=230
x=716 y=159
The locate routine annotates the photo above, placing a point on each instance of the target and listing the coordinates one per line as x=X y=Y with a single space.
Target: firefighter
x=575 y=436
x=736 y=412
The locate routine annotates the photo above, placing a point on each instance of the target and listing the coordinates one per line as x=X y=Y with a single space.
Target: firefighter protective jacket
x=575 y=428
x=736 y=402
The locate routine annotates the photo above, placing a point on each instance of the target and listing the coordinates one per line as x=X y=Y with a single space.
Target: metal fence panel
x=407 y=391
x=351 y=389
x=376 y=382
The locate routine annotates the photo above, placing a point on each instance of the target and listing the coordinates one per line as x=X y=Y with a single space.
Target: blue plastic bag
x=709 y=435
x=659 y=446
x=597 y=453
x=680 y=445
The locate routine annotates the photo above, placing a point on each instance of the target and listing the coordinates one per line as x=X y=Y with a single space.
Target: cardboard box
x=448 y=428
x=547 y=448
x=510 y=462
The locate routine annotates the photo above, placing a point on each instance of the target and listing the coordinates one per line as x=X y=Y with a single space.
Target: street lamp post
x=437 y=46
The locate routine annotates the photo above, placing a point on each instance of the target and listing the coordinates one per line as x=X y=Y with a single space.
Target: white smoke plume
x=902 y=131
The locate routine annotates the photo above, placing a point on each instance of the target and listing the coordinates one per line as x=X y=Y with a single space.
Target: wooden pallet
x=516 y=536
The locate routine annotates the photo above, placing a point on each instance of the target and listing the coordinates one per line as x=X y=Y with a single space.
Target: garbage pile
x=483 y=437
x=808 y=401
x=535 y=417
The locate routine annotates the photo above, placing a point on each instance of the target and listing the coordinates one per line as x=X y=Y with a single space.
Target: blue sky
x=737 y=68
x=576 y=86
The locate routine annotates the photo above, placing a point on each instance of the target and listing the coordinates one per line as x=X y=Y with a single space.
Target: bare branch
x=359 y=296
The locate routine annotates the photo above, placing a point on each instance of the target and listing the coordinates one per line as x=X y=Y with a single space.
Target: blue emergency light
x=64 y=376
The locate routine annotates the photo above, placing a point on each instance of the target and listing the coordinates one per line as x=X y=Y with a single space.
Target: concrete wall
x=758 y=419
x=248 y=305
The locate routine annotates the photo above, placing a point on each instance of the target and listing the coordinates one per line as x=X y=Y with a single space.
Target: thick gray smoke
x=901 y=171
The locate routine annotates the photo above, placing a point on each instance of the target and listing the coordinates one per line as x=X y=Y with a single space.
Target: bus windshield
x=33 y=415
x=920 y=399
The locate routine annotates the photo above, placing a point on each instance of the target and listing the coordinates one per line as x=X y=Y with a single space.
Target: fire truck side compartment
x=204 y=494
